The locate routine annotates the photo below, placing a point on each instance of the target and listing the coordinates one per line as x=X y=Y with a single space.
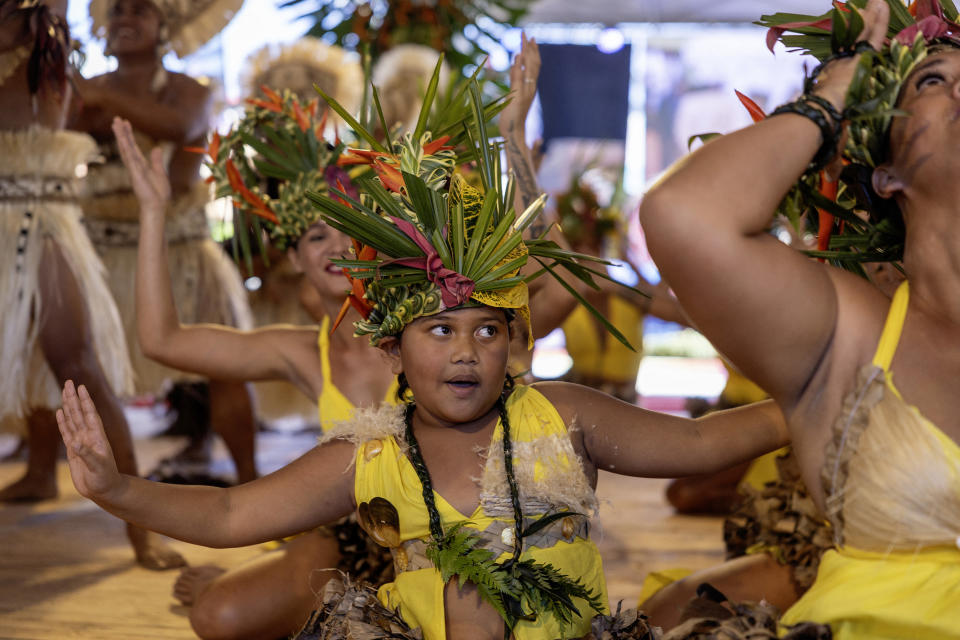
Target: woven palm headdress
x=847 y=239
x=425 y=239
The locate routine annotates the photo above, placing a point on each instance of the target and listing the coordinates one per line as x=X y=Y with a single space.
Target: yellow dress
x=893 y=495
x=332 y=405
x=544 y=461
x=599 y=356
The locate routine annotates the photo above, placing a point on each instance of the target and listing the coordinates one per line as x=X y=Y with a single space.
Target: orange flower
x=355 y=297
x=273 y=95
x=437 y=145
x=300 y=117
x=752 y=107
x=259 y=207
x=213 y=150
x=827 y=188
x=263 y=104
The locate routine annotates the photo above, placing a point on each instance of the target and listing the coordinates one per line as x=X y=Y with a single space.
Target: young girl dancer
x=523 y=553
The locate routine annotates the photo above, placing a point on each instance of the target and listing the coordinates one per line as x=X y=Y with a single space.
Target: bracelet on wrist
x=829 y=131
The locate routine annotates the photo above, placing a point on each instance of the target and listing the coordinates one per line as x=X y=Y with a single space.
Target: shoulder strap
x=893 y=328
x=323 y=349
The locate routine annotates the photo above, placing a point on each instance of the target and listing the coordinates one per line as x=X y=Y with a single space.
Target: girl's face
x=312 y=256
x=455 y=362
x=134 y=27
x=923 y=146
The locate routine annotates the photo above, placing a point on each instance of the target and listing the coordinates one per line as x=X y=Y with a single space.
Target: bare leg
x=231 y=415
x=66 y=341
x=40 y=481
x=754 y=578
x=267 y=598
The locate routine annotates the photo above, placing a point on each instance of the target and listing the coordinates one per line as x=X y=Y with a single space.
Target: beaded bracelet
x=830 y=133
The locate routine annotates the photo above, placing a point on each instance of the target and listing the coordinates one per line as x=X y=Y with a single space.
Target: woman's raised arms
x=315 y=489
x=771 y=310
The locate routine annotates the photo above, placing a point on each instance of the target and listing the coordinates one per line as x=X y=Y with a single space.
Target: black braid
x=436 y=528
x=402 y=388
x=511 y=478
x=416 y=459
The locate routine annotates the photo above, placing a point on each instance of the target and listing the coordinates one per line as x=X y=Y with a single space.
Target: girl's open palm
x=91 y=460
x=149 y=179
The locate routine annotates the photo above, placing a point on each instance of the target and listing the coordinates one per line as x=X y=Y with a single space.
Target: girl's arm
x=215 y=351
x=761 y=303
x=620 y=437
x=315 y=489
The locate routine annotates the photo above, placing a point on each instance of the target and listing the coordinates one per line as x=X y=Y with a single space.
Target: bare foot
x=30 y=488
x=192 y=582
x=151 y=552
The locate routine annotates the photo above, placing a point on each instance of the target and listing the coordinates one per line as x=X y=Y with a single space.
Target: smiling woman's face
x=312 y=254
x=134 y=26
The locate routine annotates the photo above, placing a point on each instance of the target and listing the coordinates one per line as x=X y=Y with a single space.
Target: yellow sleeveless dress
x=543 y=457
x=893 y=495
x=332 y=405
x=599 y=356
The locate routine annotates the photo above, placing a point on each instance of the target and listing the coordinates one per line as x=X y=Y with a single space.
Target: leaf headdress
x=268 y=163
x=877 y=235
x=439 y=242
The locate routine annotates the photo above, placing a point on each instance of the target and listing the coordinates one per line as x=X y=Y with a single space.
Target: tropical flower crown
x=424 y=239
x=267 y=164
x=847 y=239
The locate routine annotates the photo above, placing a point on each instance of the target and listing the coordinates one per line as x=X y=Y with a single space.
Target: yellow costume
x=600 y=361
x=893 y=495
x=332 y=405
x=550 y=479
x=598 y=355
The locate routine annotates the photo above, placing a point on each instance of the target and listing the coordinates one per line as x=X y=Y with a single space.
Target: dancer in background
x=59 y=320
x=173 y=111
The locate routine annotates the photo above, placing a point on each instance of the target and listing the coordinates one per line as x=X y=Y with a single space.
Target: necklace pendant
x=508 y=537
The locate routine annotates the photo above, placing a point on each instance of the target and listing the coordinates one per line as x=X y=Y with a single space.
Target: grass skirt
x=38 y=174
x=206 y=284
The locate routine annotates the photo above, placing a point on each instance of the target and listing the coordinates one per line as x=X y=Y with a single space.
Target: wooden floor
x=66 y=570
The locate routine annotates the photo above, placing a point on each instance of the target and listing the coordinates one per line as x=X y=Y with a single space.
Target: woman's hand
x=834 y=80
x=523 y=84
x=89 y=455
x=150 y=181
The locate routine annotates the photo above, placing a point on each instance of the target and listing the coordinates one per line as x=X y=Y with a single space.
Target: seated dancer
x=599 y=361
x=437 y=302
x=878 y=453
x=59 y=320
x=173 y=111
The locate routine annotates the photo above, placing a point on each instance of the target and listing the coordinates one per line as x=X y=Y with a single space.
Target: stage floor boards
x=66 y=570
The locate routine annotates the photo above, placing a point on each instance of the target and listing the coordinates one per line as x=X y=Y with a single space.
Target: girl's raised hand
x=91 y=460
x=149 y=179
